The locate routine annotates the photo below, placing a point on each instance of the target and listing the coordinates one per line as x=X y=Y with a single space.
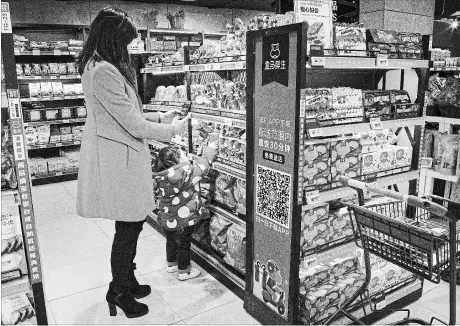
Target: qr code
x=273 y=192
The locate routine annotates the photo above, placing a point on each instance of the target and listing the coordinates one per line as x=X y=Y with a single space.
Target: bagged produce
x=218 y=230
x=236 y=248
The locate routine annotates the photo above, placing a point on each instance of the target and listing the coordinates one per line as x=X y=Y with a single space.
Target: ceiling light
x=454 y=24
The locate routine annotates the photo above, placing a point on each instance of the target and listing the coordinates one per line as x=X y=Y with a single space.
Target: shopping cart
x=414 y=233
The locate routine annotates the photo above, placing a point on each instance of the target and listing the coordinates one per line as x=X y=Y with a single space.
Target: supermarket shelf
x=447 y=120
x=222 y=212
x=225 y=168
x=437 y=175
x=216 y=34
x=57 y=174
x=220 y=66
x=362 y=127
x=165 y=70
x=159 y=108
x=53 y=122
x=17 y=286
x=157 y=143
x=220 y=120
x=173 y=31
x=371 y=63
x=50 y=53
x=215 y=112
x=49 y=77
x=9 y=192
x=446 y=69
x=50 y=98
x=54 y=145
x=334 y=194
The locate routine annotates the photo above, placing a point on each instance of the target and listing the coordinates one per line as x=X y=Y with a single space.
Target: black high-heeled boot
x=138 y=291
x=125 y=300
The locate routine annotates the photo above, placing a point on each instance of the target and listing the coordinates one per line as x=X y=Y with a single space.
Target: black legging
x=123 y=252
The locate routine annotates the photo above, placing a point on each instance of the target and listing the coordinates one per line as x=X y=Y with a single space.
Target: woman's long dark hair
x=111 y=32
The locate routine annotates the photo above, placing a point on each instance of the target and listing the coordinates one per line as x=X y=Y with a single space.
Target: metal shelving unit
x=266 y=94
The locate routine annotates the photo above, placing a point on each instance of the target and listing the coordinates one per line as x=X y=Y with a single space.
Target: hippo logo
x=400 y=154
x=368 y=160
x=275 y=51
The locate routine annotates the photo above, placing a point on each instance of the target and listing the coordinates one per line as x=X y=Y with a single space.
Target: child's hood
x=171 y=181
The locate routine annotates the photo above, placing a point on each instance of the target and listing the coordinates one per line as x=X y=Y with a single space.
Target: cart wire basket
x=414 y=233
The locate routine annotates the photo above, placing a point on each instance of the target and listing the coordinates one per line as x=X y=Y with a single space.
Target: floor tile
x=108 y=227
x=49 y=314
x=229 y=314
x=192 y=297
x=57 y=240
x=438 y=300
x=416 y=311
x=428 y=286
x=90 y=308
x=76 y=273
x=151 y=253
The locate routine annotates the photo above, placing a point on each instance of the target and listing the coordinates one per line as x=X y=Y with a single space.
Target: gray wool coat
x=115 y=176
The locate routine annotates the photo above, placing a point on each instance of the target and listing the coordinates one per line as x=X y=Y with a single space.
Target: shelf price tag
x=57 y=52
x=318 y=132
x=382 y=60
x=35 y=52
x=317 y=56
x=17 y=52
x=376 y=124
x=313 y=197
x=318 y=61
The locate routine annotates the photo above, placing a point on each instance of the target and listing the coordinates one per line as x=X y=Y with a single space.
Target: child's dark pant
x=178 y=249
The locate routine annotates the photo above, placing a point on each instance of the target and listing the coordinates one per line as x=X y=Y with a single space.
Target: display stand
x=34 y=278
x=276 y=195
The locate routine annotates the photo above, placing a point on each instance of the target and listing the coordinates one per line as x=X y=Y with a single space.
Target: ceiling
x=262 y=5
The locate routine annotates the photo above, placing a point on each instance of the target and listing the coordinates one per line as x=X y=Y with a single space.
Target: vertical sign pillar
x=276 y=65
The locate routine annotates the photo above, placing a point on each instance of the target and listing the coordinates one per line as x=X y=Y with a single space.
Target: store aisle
x=75 y=256
x=76 y=251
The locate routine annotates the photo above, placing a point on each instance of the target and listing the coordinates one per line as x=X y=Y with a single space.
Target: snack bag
x=16 y=309
x=449 y=148
x=218 y=229
x=19 y=70
x=240 y=196
x=236 y=248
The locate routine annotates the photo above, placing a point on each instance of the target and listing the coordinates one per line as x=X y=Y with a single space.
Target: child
x=180 y=206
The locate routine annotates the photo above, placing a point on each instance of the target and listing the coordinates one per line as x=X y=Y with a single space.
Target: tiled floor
x=76 y=251
x=76 y=265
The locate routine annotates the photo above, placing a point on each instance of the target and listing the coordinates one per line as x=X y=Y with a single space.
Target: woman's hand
x=180 y=124
x=169 y=115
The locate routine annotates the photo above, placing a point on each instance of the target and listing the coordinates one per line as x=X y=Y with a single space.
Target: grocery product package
x=314 y=276
x=240 y=196
x=46 y=89
x=218 y=230
x=69 y=89
x=58 y=89
x=201 y=232
x=31 y=135
x=43 y=134
x=315 y=214
x=349 y=40
x=236 y=248
x=17 y=309
x=427 y=149
x=449 y=147
x=34 y=90
x=224 y=192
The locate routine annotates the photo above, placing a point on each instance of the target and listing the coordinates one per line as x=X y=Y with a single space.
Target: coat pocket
x=118 y=136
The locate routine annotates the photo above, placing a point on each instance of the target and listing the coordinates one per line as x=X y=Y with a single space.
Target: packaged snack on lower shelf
x=344 y=148
x=314 y=215
x=62 y=68
x=45 y=69
x=233 y=150
x=66 y=113
x=315 y=235
x=224 y=192
x=52 y=165
x=78 y=89
x=36 y=69
x=43 y=134
x=320 y=303
x=339 y=220
x=81 y=112
x=54 y=68
x=403 y=156
x=67 y=138
x=42 y=167
x=348 y=285
x=349 y=166
x=51 y=114
x=218 y=229
x=386 y=159
x=31 y=135
x=399 y=96
x=314 y=276
x=370 y=163
x=69 y=89
x=72 y=68
x=236 y=248
x=317 y=102
x=17 y=310
x=11 y=230
x=58 y=89
x=240 y=196
x=317 y=175
x=34 y=90
x=55 y=134
x=410 y=51
x=33 y=167
x=377 y=281
x=19 y=70
x=65 y=130
x=316 y=151
x=342 y=266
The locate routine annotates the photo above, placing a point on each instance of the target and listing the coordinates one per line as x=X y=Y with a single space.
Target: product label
x=6 y=18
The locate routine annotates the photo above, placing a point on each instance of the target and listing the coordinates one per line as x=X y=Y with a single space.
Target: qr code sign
x=273 y=195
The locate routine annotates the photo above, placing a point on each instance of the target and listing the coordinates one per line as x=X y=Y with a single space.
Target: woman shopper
x=115 y=177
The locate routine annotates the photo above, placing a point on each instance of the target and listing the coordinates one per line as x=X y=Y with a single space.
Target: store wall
x=82 y=12
x=414 y=16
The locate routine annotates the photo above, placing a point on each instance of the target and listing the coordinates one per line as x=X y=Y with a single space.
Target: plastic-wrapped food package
x=9 y=179
x=240 y=196
x=218 y=230
x=236 y=248
x=224 y=191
